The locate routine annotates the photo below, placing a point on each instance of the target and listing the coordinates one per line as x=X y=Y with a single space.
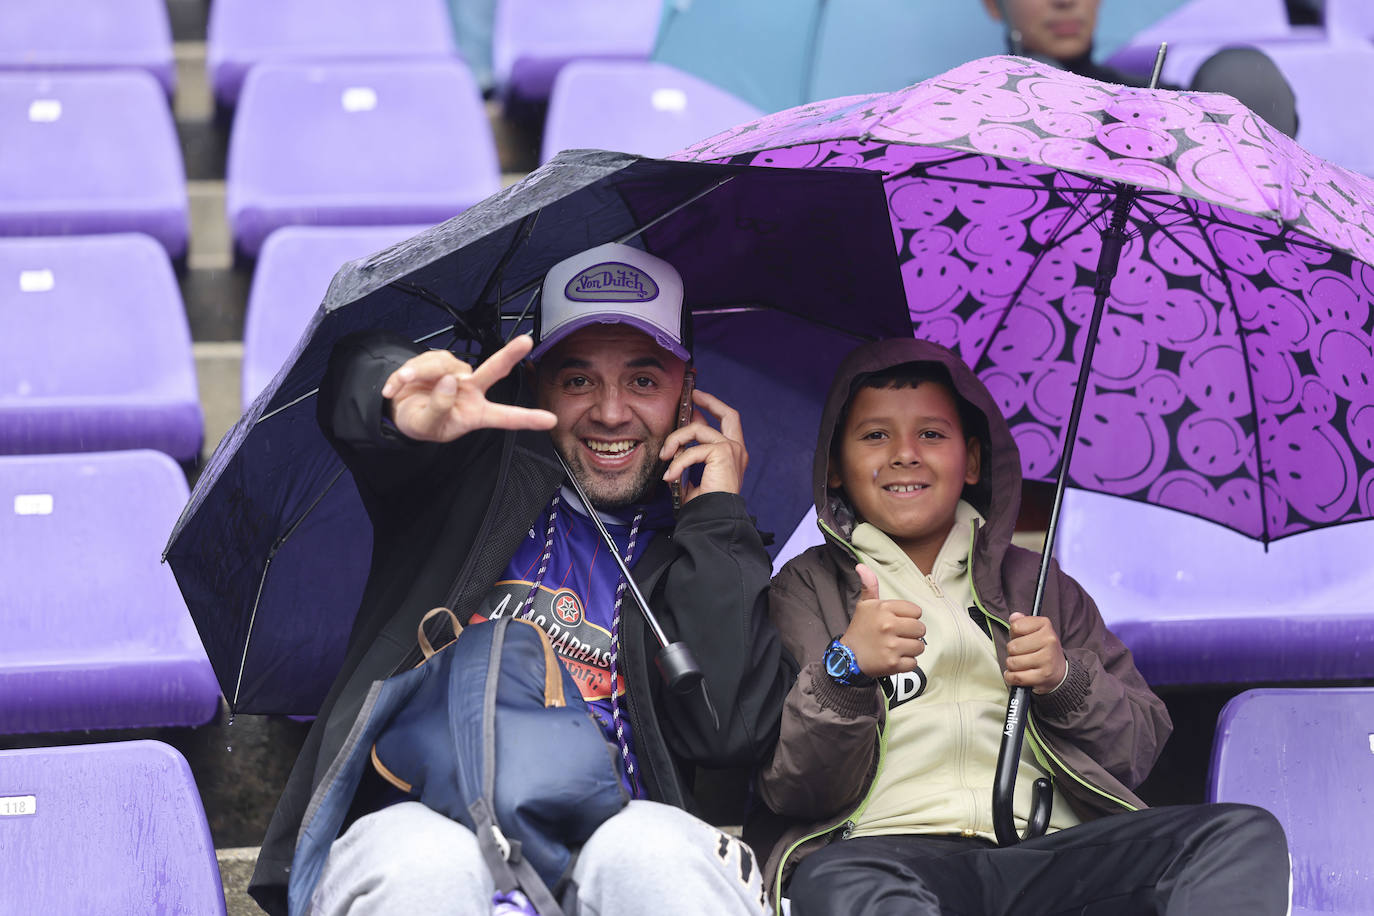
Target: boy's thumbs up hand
x=869 y=582
x=884 y=634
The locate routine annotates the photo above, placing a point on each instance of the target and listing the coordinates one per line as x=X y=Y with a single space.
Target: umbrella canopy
x=1234 y=377
x=780 y=53
x=784 y=270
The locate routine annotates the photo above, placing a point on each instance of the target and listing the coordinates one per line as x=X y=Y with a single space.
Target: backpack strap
x=425 y=646
x=553 y=669
x=509 y=869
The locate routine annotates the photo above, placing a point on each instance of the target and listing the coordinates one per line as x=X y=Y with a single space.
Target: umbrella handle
x=1004 y=787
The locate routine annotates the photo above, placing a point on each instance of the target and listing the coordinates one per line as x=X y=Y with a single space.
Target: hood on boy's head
x=997 y=495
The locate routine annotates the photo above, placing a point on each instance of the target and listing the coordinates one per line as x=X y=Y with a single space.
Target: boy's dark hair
x=971 y=419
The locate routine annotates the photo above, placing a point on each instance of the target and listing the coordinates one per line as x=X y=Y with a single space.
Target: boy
x=907 y=624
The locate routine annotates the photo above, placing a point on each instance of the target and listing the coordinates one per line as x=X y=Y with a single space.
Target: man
x=457 y=469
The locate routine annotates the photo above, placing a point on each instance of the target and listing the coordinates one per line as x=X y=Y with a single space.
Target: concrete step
x=235 y=868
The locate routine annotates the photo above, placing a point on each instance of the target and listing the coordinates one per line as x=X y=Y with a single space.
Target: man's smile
x=612 y=453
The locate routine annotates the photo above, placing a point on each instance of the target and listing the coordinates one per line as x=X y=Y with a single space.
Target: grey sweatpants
x=649 y=858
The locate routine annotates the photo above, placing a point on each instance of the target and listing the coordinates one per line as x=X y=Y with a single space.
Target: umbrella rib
x=252 y=619
x=314 y=391
x=1250 y=386
x=1095 y=188
x=498 y=274
x=535 y=284
x=424 y=295
x=520 y=318
x=1282 y=230
x=686 y=203
x=267 y=416
x=1214 y=270
x=522 y=235
x=1054 y=240
x=267 y=566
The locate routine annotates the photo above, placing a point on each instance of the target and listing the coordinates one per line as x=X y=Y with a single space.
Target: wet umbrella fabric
x=784 y=270
x=1233 y=378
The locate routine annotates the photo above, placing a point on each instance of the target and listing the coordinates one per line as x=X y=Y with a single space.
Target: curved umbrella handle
x=1004 y=787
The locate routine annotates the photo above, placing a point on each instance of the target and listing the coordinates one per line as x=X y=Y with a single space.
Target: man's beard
x=627 y=489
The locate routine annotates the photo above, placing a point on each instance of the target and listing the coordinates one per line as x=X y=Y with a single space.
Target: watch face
x=837 y=662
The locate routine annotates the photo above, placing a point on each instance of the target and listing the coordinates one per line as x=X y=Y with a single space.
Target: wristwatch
x=842 y=666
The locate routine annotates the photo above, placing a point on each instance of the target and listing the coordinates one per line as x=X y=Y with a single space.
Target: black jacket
x=446 y=520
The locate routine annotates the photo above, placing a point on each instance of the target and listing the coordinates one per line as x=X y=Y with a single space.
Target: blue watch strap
x=842 y=666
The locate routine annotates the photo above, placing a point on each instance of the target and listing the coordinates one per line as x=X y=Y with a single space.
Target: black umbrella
x=785 y=270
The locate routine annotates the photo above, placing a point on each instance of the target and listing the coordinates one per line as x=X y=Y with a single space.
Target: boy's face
x=903 y=462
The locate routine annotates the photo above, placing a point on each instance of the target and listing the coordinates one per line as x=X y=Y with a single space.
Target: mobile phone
x=685 y=409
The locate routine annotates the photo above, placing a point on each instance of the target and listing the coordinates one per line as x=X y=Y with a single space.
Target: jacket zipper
x=1039 y=747
x=846 y=825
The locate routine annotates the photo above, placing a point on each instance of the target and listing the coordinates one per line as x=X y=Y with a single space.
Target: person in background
x=1060 y=32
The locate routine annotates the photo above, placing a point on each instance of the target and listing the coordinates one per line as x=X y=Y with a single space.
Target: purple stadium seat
x=95 y=351
x=116 y=829
x=1214 y=23
x=532 y=39
x=1334 y=122
x=1199 y=604
x=356 y=144
x=289 y=282
x=635 y=107
x=243 y=33
x=96 y=632
x=90 y=152
x=1307 y=756
x=1349 y=20
x=88 y=35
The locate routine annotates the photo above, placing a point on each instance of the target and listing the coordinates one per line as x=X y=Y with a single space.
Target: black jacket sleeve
x=350 y=410
x=716 y=601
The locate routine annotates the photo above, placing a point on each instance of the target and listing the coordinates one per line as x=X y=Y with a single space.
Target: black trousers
x=1205 y=859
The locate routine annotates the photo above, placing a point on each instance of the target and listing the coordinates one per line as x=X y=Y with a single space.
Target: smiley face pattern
x=1234 y=373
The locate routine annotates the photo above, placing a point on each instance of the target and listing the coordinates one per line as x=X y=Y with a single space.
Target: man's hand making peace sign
x=436 y=397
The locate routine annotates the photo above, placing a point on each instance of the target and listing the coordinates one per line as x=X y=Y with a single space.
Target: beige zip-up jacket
x=1098 y=734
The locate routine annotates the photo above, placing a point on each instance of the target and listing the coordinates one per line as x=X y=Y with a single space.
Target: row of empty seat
x=116 y=829
x=339 y=144
x=97 y=635
x=528 y=39
x=99 y=412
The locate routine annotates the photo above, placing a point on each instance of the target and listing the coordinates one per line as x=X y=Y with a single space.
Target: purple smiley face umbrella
x=1170 y=299
x=1234 y=371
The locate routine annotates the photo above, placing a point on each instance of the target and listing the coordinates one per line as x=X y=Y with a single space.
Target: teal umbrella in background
x=472 y=27
x=780 y=53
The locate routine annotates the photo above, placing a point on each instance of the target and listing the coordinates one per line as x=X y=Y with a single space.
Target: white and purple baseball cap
x=612 y=284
